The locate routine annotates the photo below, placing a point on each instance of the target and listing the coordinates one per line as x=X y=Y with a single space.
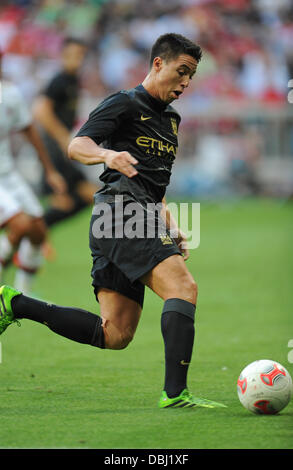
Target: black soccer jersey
x=135 y=122
x=63 y=90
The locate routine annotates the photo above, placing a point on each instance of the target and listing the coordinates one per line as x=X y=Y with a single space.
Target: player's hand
x=56 y=182
x=181 y=241
x=122 y=162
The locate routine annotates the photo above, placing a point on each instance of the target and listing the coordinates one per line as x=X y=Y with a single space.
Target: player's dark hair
x=72 y=40
x=169 y=46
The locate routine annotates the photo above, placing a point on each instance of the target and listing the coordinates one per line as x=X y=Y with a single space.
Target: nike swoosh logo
x=144 y=118
x=184 y=363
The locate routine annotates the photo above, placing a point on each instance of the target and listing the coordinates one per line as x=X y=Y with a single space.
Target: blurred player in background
x=21 y=214
x=55 y=111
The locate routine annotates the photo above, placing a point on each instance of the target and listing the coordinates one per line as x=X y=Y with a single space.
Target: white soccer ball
x=264 y=387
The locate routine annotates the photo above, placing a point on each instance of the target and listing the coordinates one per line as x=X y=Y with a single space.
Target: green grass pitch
x=55 y=393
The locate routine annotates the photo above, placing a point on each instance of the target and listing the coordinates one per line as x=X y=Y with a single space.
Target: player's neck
x=150 y=86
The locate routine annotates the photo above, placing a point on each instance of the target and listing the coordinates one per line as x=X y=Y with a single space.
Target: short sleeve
x=107 y=117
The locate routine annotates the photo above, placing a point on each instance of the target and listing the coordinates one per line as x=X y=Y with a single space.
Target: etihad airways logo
x=155 y=146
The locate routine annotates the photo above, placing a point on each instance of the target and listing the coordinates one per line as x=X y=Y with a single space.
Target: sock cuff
x=98 y=338
x=180 y=306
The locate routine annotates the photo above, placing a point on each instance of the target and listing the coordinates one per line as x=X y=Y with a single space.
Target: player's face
x=174 y=76
x=72 y=57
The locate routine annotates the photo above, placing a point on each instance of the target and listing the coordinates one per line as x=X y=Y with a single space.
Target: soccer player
x=21 y=214
x=55 y=111
x=139 y=130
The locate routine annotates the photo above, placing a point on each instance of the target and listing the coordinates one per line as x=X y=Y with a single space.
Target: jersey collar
x=157 y=104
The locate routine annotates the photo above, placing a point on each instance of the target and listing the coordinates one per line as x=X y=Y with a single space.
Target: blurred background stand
x=236 y=136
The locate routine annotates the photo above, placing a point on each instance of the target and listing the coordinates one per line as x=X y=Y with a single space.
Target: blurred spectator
x=55 y=110
x=243 y=38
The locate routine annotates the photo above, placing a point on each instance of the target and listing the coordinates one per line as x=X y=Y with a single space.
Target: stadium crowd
x=248 y=55
x=247 y=43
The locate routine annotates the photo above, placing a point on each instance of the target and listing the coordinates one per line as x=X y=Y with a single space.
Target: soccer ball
x=264 y=387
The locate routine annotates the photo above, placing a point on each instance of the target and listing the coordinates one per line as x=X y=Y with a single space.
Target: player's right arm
x=102 y=123
x=85 y=150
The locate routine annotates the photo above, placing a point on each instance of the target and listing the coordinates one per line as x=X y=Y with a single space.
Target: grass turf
x=55 y=393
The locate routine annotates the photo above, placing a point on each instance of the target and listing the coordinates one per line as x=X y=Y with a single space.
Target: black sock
x=177 y=324
x=73 y=323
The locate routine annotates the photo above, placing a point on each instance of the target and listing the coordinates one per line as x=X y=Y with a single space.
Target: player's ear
x=157 y=64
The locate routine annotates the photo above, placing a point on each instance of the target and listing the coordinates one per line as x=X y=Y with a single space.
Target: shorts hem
x=156 y=261
x=136 y=298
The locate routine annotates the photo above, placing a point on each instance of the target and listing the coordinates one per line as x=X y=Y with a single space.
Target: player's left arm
x=54 y=178
x=176 y=233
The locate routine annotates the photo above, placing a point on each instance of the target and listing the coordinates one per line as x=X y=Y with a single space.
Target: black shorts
x=121 y=257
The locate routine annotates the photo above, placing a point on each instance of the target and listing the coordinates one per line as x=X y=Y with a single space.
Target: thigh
x=171 y=279
x=120 y=316
x=118 y=308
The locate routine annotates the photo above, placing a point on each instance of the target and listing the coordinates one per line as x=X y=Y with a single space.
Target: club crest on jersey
x=174 y=126
x=166 y=239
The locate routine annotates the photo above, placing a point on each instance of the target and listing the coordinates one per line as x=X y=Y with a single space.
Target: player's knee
x=187 y=289
x=38 y=231
x=191 y=291
x=194 y=291
x=122 y=340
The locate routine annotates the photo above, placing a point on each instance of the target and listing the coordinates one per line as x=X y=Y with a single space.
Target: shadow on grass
x=251 y=415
